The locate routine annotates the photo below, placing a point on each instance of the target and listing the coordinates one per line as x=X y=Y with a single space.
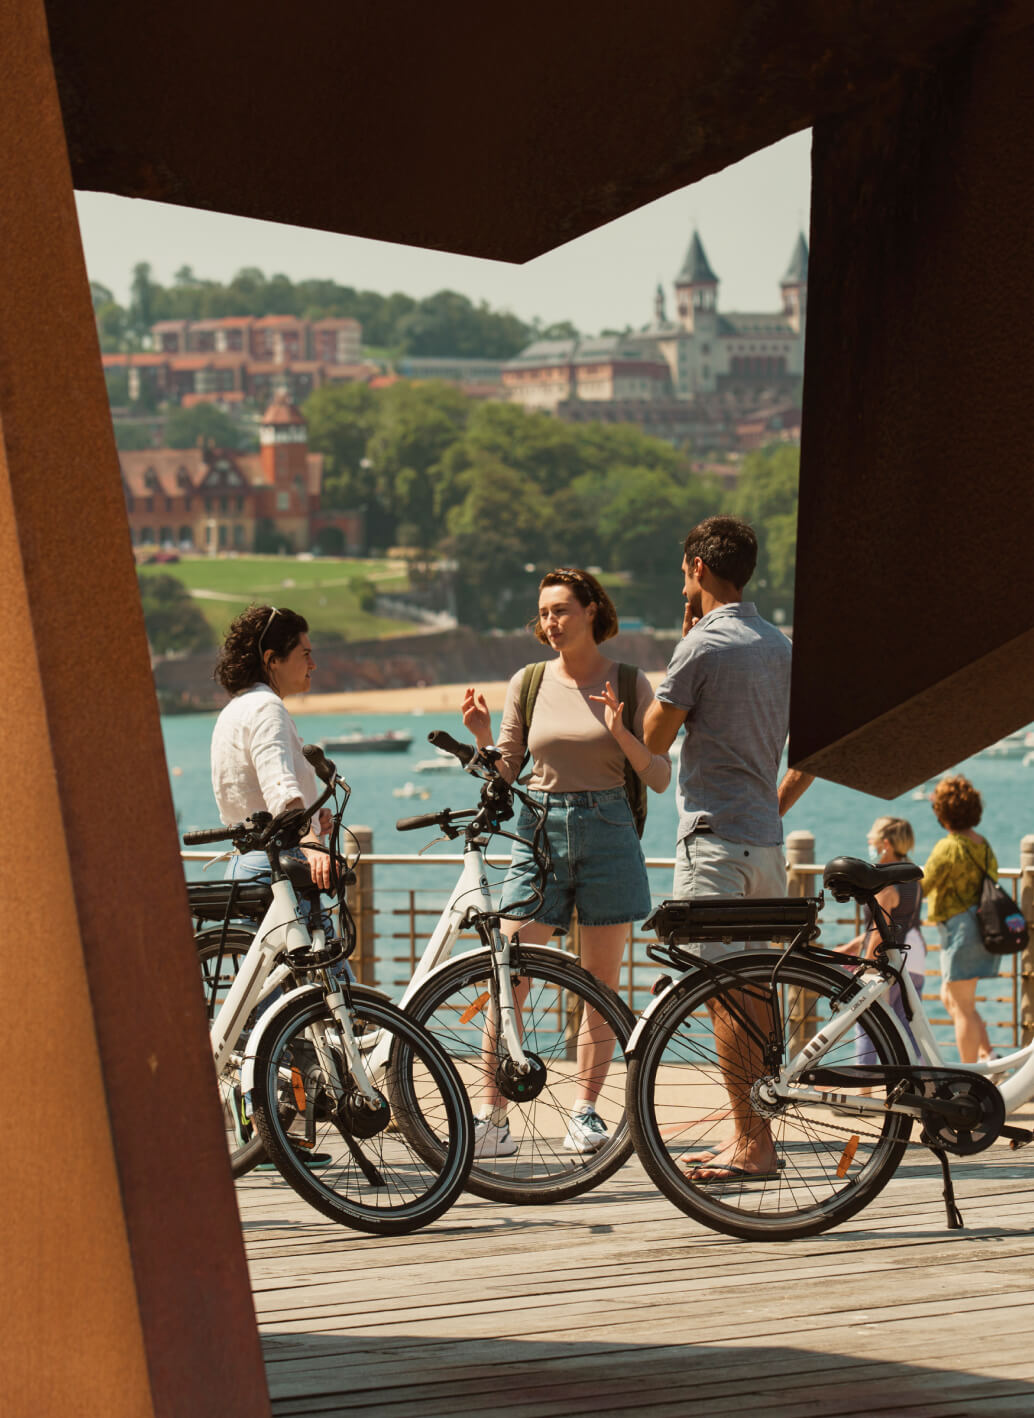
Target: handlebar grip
x=463 y=751
x=426 y=819
x=210 y=834
x=321 y=764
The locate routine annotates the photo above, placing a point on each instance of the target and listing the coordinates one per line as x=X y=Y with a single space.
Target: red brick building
x=215 y=500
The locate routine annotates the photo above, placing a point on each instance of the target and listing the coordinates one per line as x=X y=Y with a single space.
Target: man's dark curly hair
x=256 y=630
x=727 y=546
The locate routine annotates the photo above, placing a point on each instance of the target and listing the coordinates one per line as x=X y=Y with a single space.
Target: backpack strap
x=635 y=788
x=531 y=683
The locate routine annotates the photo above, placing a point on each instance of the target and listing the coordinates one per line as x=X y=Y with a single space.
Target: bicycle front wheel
x=691 y=1088
x=219 y=955
x=576 y=1029
x=351 y=1162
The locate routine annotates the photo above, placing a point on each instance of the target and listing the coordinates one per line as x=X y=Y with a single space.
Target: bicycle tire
x=830 y=1164
x=412 y=1192
x=225 y=952
x=452 y=1006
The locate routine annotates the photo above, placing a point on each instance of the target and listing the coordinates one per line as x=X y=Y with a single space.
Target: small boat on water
x=1016 y=745
x=390 y=741
x=410 y=790
x=443 y=762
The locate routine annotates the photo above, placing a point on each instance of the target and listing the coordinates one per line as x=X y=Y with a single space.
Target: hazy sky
x=748 y=217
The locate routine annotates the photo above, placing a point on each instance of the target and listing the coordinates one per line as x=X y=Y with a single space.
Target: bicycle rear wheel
x=219 y=956
x=831 y=1161
x=306 y=1104
x=459 y=1006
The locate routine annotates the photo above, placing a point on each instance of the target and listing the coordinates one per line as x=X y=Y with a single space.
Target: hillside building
x=214 y=500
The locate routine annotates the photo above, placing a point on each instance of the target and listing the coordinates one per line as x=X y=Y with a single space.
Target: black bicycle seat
x=846 y=876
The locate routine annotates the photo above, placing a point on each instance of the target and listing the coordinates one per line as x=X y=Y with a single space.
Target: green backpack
x=628 y=685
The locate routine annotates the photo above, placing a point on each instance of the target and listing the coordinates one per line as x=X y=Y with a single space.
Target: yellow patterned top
x=953 y=875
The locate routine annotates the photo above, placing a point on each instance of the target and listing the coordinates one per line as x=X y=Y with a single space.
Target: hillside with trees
x=498 y=493
x=445 y=324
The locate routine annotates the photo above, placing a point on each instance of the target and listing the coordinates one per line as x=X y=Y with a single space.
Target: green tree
x=143 y=296
x=174 y=623
x=416 y=425
x=184 y=427
x=766 y=497
x=494 y=535
x=131 y=437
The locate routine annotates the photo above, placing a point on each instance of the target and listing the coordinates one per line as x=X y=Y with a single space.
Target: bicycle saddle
x=846 y=876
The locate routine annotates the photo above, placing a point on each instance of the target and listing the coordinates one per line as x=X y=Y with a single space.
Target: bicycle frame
x=472 y=891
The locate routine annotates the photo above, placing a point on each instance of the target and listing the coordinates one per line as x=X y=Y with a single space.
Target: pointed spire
x=660 y=314
x=696 y=269
x=797 y=271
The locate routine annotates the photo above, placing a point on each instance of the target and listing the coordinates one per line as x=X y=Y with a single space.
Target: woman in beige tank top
x=578 y=744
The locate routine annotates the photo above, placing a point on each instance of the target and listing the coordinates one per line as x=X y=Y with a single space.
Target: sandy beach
x=428 y=697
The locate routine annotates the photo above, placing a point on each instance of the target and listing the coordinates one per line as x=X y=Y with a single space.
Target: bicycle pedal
x=1018 y=1137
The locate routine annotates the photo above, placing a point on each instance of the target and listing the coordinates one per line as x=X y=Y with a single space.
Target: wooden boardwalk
x=618 y=1304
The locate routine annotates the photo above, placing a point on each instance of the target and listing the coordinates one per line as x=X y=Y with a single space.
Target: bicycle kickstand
x=955 y=1221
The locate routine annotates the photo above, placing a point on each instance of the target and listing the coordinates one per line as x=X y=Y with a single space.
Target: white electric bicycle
x=763 y=1045
x=298 y=1080
x=525 y=1025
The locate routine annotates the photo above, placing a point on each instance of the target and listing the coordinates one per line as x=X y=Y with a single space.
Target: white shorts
x=706 y=865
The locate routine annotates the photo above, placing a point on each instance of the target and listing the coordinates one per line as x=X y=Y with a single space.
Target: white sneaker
x=586 y=1132
x=492 y=1139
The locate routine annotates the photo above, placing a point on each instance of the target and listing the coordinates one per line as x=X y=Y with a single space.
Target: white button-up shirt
x=257 y=759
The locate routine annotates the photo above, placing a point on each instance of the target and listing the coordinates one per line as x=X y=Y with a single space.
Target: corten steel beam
x=914 y=619
x=125 y=1289
x=459 y=127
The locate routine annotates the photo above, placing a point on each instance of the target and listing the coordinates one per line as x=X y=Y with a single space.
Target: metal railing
x=394 y=923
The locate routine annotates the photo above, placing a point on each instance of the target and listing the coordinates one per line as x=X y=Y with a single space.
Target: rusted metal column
x=125 y=1287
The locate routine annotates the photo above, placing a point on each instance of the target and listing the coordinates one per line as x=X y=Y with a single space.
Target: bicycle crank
x=960 y=1112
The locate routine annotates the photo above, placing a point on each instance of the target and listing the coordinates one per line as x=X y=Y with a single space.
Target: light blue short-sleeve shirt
x=731 y=674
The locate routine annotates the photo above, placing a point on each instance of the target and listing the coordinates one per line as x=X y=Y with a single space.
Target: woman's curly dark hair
x=956 y=804
x=256 y=630
x=589 y=592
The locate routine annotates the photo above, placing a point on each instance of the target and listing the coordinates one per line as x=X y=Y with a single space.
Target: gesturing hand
x=476 y=718
x=613 y=708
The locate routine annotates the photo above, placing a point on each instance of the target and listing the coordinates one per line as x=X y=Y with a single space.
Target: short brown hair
x=957 y=804
x=727 y=546
x=588 y=592
x=256 y=630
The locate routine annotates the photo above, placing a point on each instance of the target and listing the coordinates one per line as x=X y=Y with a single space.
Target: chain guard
x=939 y=1092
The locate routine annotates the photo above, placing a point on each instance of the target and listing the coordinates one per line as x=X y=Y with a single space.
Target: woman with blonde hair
x=952 y=878
x=579 y=744
x=891 y=839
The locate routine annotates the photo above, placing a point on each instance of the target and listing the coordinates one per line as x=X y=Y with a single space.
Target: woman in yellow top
x=952 y=878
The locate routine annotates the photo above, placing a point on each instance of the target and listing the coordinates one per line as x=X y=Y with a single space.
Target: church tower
x=794 y=286
x=696 y=290
x=284 y=460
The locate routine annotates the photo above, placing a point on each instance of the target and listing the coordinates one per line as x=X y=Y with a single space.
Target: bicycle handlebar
x=463 y=751
x=211 y=834
x=321 y=764
x=425 y=819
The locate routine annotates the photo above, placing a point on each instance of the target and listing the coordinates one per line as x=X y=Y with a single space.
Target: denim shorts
x=598 y=863
x=963 y=956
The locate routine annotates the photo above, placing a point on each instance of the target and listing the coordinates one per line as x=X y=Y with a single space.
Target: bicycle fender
x=651 y=1009
x=746 y=957
x=269 y=1019
x=450 y=961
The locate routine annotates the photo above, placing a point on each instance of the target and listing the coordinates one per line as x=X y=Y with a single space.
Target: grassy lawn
x=321 y=590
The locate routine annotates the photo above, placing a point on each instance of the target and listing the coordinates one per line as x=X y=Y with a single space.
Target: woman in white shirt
x=257 y=759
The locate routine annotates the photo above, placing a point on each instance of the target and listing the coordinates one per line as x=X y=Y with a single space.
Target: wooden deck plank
x=617 y=1303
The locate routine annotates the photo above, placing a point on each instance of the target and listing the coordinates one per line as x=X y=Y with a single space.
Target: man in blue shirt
x=728 y=684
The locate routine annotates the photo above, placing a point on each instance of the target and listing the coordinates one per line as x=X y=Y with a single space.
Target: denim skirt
x=963 y=956
x=598 y=863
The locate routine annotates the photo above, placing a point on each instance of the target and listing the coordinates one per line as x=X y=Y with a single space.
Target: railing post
x=1026 y=962
x=364 y=961
x=800 y=851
